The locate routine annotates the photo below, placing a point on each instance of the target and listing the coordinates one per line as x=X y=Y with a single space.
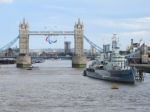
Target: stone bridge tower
x=23 y=60
x=78 y=60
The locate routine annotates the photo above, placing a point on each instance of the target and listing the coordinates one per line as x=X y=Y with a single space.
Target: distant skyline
x=102 y=18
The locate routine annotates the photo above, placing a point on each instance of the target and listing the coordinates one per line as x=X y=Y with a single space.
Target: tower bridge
x=24 y=60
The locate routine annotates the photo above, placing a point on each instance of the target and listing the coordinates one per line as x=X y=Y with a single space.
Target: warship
x=114 y=69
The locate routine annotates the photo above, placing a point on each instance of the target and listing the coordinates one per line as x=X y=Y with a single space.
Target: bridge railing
x=8 y=45
x=93 y=45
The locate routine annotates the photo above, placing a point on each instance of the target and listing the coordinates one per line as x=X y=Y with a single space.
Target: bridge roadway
x=54 y=33
x=142 y=67
x=44 y=57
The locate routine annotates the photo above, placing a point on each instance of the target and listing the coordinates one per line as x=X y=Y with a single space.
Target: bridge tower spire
x=23 y=60
x=78 y=38
x=79 y=60
x=24 y=38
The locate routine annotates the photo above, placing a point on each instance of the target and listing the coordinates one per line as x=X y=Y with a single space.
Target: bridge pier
x=78 y=60
x=23 y=60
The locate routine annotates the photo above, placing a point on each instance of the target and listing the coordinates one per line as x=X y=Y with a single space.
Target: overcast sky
x=102 y=18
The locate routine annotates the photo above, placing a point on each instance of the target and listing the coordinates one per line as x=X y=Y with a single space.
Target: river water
x=53 y=86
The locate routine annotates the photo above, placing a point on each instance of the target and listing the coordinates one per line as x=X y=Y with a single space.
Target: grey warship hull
x=126 y=76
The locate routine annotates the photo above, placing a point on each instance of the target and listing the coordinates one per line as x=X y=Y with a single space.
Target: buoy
x=114 y=86
x=84 y=73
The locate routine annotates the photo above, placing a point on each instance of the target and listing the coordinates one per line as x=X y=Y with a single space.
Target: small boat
x=30 y=68
x=37 y=60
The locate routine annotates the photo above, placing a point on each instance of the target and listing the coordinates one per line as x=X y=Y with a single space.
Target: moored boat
x=115 y=69
x=127 y=76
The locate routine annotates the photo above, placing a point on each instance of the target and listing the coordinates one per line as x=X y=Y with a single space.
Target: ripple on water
x=56 y=87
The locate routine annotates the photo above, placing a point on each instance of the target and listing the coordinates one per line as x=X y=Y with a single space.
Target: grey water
x=53 y=86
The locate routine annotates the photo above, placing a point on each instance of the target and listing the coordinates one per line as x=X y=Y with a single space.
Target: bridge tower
x=78 y=60
x=23 y=60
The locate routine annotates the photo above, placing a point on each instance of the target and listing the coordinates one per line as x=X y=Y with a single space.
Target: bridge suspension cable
x=8 y=45
x=14 y=41
x=93 y=45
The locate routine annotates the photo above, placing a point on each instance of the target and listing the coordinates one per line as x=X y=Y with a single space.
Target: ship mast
x=115 y=42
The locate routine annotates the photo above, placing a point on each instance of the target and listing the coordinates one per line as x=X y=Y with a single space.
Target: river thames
x=53 y=86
